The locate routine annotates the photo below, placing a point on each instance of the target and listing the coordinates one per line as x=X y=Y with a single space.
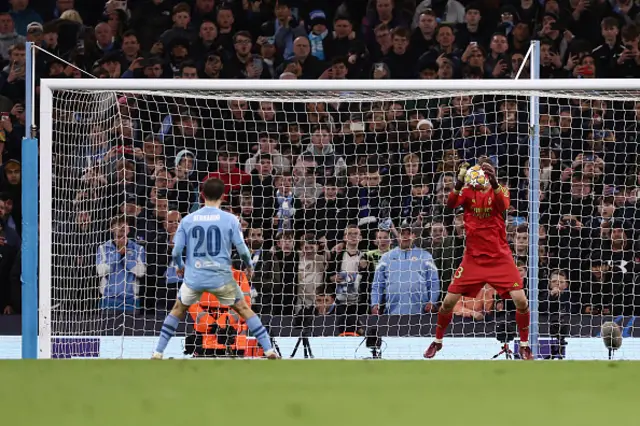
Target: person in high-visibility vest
x=211 y=320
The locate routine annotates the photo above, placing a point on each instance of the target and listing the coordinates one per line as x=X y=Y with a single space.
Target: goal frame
x=42 y=337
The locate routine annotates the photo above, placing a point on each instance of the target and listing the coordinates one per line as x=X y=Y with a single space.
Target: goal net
x=323 y=182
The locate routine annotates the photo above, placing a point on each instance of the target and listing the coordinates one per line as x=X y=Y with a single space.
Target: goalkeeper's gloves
x=462 y=171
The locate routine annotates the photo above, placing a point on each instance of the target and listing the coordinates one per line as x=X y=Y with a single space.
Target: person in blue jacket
x=406 y=279
x=121 y=264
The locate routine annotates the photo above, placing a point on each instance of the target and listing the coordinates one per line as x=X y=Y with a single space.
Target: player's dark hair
x=213 y=189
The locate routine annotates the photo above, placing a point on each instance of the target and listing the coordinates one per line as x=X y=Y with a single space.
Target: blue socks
x=168 y=330
x=259 y=332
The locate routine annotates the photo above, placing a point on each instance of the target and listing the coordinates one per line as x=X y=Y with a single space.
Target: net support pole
x=30 y=216
x=534 y=199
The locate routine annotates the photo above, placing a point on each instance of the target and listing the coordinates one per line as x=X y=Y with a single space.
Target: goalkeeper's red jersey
x=484 y=222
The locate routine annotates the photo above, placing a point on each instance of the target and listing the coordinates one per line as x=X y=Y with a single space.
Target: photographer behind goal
x=344 y=324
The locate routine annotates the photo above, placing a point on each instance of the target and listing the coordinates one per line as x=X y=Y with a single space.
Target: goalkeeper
x=208 y=235
x=487 y=257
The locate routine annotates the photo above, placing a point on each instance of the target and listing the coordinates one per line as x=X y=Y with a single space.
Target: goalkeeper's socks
x=441 y=325
x=522 y=320
x=259 y=332
x=167 y=331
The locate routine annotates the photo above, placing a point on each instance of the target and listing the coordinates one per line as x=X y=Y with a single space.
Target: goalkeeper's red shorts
x=473 y=273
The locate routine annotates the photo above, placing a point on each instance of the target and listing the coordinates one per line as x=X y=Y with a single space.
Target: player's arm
x=379 y=285
x=502 y=201
x=456 y=198
x=430 y=279
x=241 y=247
x=136 y=262
x=102 y=261
x=179 y=242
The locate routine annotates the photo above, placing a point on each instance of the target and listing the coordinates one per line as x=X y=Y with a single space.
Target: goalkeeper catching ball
x=487 y=257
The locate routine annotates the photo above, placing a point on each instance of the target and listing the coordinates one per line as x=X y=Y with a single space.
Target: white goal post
x=105 y=93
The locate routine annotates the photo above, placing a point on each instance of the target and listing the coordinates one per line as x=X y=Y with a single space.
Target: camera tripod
x=306 y=346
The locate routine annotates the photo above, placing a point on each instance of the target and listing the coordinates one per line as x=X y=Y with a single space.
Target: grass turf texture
x=309 y=393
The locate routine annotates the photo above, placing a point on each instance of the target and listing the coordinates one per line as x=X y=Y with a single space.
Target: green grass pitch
x=322 y=393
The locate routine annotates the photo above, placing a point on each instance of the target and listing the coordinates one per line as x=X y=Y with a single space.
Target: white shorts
x=227 y=295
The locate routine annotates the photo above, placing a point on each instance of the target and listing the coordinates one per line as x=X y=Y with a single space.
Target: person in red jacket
x=487 y=257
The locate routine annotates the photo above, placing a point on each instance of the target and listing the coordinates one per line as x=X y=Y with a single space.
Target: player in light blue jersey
x=208 y=235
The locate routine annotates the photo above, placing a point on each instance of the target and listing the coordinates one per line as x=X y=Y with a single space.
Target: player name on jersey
x=206 y=218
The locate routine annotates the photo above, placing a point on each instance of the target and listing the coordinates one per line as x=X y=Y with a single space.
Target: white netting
x=320 y=182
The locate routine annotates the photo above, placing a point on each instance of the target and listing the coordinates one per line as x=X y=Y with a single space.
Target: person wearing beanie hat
x=318 y=33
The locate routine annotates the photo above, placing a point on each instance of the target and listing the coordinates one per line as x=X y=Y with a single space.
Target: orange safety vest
x=208 y=311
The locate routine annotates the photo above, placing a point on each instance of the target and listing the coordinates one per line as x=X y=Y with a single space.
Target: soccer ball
x=475 y=177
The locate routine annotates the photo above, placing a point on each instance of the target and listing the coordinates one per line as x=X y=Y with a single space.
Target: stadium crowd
x=324 y=190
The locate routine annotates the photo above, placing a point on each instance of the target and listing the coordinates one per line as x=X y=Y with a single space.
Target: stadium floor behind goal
x=310 y=393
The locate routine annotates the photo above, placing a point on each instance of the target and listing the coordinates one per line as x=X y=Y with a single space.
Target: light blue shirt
x=208 y=235
x=408 y=279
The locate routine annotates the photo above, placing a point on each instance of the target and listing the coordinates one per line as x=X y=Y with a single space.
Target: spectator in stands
x=264 y=275
x=608 y=53
x=243 y=64
x=120 y=263
x=387 y=12
x=400 y=59
x=8 y=35
x=447 y=10
x=310 y=273
x=267 y=145
x=12 y=83
x=7 y=222
x=105 y=43
x=285 y=29
x=303 y=64
x=445 y=251
x=202 y=10
x=181 y=17
x=11 y=184
x=344 y=271
x=206 y=42
x=150 y=221
x=23 y=15
x=162 y=281
x=131 y=49
x=408 y=279
x=557 y=297
x=285 y=264
x=8 y=253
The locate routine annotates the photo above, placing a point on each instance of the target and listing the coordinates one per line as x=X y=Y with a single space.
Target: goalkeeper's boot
x=156 y=355
x=432 y=349
x=272 y=354
x=525 y=353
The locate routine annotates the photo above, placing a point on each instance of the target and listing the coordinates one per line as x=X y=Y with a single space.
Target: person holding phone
x=14 y=73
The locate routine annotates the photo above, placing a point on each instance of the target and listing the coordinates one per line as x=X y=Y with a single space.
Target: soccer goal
x=323 y=175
